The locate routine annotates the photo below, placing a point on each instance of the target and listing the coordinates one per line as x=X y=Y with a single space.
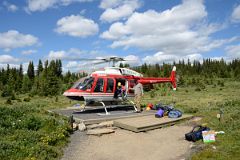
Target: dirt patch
x=165 y=143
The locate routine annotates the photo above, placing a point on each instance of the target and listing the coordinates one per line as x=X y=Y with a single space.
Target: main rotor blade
x=99 y=62
x=87 y=59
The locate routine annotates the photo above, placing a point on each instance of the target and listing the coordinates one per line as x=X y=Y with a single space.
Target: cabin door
x=110 y=85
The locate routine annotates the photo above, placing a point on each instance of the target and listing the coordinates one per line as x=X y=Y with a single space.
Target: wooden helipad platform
x=91 y=115
x=149 y=122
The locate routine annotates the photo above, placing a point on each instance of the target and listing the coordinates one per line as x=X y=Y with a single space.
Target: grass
x=207 y=103
x=227 y=145
x=28 y=131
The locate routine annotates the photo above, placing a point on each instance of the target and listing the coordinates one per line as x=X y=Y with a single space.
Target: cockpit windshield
x=84 y=83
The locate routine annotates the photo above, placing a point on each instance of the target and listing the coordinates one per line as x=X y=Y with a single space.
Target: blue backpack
x=159 y=113
x=174 y=113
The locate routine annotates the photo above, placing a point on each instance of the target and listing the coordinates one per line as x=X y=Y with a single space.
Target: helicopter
x=100 y=86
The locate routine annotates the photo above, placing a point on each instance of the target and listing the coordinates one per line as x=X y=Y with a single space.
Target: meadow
x=221 y=96
x=29 y=131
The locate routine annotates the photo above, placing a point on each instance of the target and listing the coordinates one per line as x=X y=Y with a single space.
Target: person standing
x=138 y=93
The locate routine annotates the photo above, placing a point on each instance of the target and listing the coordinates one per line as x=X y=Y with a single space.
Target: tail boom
x=154 y=80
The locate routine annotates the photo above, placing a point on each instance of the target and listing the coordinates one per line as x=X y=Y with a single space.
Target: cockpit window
x=99 y=86
x=84 y=83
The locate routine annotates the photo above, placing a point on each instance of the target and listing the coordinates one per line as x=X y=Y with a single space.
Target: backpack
x=174 y=113
x=168 y=108
x=157 y=106
x=159 y=113
x=196 y=133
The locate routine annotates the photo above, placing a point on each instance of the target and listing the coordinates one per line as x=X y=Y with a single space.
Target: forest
x=44 y=80
x=48 y=79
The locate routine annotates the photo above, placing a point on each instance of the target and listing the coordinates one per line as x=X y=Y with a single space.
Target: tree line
x=43 y=80
x=48 y=79
x=209 y=68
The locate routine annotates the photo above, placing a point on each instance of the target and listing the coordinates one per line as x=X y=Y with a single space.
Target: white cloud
x=77 y=26
x=28 y=52
x=71 y=54
x=182 y=29
x=132 y=60
x=7 y=59
x=4 y=65
x=41 y=5
x=10 y=7
x=13 y=39
x=109 y=3
x=161 y=57
x=123 y=9
x=116 y=31
x=57 y=55
x=233 y=51
x=75 y=66
x=72 y=64
x=236 y=14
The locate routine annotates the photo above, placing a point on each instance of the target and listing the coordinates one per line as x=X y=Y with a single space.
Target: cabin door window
x=99 y=85
x=110 y=85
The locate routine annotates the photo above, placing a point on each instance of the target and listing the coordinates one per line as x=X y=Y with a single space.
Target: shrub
x=220 y=83
x=152 y=94
x=8 y=101
x=26 y=132
x=191 y=110
x=27 y=99
x=13 y=97
x=19 y=100
x=198 y=89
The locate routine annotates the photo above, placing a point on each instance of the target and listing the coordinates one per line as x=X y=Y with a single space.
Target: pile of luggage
x=165 y=110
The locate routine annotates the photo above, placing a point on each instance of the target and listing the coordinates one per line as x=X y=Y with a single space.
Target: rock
x=81 y=126
x=196 y=119
x=101 y=125
x=75 y=126
x=114 y=128
x=99 y=132
x=106 y=124
x=92 y=126
x=192 y=145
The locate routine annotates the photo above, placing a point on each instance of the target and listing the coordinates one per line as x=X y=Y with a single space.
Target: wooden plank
x=144 y=123
x=112 y=117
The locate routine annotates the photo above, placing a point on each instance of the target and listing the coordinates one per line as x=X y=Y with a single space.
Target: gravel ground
x=164 y=144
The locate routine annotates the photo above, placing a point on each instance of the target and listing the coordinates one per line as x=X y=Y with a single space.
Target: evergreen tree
x=40 y=67
x=26 y=86
x=121 y=65
x=53 y=81
x=59 y=68
x=19 y=79
x=30 y=71
x=126 y=65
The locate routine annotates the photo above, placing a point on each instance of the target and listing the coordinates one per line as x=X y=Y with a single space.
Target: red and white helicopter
x=100 y=86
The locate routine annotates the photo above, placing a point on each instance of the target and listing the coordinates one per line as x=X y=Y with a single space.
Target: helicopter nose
x=70 y=92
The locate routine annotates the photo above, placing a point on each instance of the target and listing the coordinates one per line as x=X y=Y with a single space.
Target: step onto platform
x=148 y=122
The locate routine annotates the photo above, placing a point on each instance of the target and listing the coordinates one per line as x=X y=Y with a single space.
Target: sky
x=141 y=31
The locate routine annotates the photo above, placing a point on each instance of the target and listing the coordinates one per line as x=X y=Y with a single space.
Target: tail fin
x=173 y=78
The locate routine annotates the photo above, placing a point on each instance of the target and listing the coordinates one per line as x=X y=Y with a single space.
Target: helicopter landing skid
x=108 y=113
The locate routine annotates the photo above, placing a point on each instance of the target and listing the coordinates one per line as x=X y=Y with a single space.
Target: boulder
x=81 y=126
x=106 y=124
x=99 y=132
